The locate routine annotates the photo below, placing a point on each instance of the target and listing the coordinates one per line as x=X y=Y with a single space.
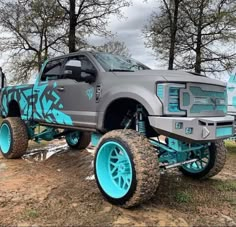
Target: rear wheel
x=13 y=138
x=78 y=140
x=126 y=168
x=210 y=162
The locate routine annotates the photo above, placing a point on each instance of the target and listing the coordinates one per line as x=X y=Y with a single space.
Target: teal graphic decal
x=42 y=104
x=90 y=93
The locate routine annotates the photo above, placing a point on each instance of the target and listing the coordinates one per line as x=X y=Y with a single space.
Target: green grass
x=32 y=213
x=227 y=186
x=230 y=146
x=183 y=197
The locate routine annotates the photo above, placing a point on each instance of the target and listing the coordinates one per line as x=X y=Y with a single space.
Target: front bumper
x=194 y=129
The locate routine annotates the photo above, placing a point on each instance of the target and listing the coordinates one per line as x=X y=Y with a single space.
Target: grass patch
x=230 y=146
x=227 y=186
x=32 y=213
x=183 y=197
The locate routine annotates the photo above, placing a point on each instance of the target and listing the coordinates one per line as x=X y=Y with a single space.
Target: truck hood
x=170 y=76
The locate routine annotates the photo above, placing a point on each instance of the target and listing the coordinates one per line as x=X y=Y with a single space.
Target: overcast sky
x=129 y=30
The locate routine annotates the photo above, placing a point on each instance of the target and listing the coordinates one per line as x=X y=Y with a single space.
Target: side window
x=53 y=70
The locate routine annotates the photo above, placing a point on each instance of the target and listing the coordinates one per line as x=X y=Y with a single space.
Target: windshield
x=111 y=62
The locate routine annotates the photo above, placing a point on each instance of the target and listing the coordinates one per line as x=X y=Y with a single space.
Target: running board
x=166 y=166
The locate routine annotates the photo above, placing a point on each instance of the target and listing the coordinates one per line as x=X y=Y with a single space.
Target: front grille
x=203 y=100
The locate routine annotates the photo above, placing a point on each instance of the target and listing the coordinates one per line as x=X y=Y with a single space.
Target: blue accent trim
x=114 y=169
x=209 y=105
x=90 y=93
x=224 y=131
x=203 y=156
x=177 y=151
x=95 y=138
x=186 y=99
x=160 y=91
x=173 y=105
x=5 y=138
x=232 y=78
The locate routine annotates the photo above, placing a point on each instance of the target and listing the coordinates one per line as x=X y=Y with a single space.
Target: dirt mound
x=62 y=191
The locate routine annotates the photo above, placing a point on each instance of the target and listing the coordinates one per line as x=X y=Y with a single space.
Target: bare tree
x=204 y=35
x=88 y=17
x=206 y=39
x=161 y=33
x=114 y=47
x=31 y=31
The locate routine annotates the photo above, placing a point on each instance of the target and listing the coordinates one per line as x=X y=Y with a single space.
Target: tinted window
x=52 y=71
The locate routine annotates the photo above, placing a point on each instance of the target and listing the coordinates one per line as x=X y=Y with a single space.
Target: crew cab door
x=65 y=101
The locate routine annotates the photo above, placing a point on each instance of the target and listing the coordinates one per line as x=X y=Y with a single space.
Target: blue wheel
x=126 y=168
x=210 y=161
x=78 y=140
x=13 y=138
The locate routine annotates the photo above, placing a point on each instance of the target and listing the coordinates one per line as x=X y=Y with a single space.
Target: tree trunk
x=198 y=60
x=173 y=30
x=39 y=60
x=72 y=37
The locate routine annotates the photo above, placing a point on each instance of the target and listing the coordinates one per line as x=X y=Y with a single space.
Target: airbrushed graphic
x=46 y=104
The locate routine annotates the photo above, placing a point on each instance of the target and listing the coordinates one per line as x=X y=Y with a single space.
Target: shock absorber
x=140 y=122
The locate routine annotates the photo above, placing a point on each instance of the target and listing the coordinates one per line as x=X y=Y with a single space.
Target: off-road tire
x=84 y=141
x=19 y=137
x=145 y=167
x=216 y=163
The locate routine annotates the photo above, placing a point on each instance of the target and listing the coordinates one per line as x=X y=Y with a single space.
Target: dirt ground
x=61 y=191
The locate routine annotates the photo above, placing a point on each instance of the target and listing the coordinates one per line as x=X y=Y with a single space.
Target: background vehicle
x=123 y=107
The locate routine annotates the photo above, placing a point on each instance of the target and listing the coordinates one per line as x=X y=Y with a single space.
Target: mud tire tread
x=19 y=137
x=220 y=159
x=145 y=161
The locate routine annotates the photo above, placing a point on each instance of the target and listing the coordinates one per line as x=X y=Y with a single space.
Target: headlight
x=170 y=97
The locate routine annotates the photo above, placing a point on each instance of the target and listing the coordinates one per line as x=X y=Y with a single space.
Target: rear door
x=64 y=101
x=47 y=103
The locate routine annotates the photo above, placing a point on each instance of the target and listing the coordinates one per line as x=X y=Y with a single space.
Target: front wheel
x=126 y=168
x=211 y=161
x=13 y=137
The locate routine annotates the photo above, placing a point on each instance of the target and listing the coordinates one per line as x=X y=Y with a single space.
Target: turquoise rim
x=5 y=138
x=73 y=138
x=203 y=156
x=114 y=169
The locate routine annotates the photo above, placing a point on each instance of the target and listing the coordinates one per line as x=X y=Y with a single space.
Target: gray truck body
x=200 y=102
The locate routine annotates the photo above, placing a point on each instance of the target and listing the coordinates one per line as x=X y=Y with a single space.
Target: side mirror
x=89 y=75
x=73 y=69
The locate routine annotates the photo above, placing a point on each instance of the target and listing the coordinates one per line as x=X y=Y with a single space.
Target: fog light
x=188 y=131
x=178 y=125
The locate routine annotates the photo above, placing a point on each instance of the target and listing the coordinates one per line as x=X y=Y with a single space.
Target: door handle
x=60 y=88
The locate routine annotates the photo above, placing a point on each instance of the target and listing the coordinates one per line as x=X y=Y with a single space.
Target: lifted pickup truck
x=122 y=107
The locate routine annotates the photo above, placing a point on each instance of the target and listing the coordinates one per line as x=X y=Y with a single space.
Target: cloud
x=129 y=30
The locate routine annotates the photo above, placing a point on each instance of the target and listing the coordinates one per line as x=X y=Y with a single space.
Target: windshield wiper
x=120 y=70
